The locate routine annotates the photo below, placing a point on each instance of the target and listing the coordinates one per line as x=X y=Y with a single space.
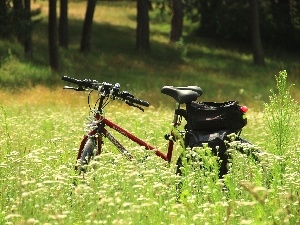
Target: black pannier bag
x=214 y=116
x=214 y=140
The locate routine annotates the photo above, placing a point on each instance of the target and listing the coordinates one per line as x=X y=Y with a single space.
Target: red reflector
x=244 y=109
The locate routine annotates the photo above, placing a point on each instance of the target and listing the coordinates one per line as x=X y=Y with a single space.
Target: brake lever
x=131 y=104
x=73 y=88
x=68 y=87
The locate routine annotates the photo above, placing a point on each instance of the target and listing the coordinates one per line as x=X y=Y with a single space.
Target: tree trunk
x=258 y=56
x=28 y=33
x=52 y=36
x=177 y=21
x=142 y=30
x=5 y=29
x=208 y=17
x=87 y=26
x=3 y=12
x=18 y=18
x=283 y=23
x=63 y=24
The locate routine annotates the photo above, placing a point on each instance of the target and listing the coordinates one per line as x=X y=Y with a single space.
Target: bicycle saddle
x=183 y=94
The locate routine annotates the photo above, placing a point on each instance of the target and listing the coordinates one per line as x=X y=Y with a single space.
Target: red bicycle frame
x=103 y=132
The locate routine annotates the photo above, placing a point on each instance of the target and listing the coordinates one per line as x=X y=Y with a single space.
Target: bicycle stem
x=102 y=97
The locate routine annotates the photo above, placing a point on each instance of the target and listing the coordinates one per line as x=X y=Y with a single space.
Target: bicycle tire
x=223 y=168
x=250 y=153
x=88 y=151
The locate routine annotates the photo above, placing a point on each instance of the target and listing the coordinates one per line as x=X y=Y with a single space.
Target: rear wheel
x=249 y=149
x=219 y=149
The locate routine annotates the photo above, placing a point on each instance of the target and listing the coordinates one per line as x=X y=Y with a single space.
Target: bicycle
x=91 y=144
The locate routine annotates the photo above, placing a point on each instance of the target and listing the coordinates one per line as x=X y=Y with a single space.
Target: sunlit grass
x=39 y=185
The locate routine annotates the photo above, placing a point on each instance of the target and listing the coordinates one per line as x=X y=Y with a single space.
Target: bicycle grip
x=71 y=80
x=137 y=101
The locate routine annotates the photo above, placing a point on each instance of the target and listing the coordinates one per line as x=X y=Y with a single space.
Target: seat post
x=175 y=119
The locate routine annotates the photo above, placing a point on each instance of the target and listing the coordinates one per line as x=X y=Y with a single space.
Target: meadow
x=42 y=125
x=41 y=135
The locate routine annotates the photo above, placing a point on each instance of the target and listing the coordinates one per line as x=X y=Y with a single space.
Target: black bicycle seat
x=183 y=95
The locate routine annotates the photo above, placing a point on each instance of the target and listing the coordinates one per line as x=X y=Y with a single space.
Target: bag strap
x=181 y=112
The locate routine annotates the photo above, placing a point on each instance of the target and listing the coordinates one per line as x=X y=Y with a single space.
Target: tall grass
x=4 y=131
x=281 y=114
x=39 y=186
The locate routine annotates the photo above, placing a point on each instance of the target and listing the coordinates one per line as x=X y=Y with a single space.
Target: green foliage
x=4 y=130
x=271 y=193
x=160 y=11
x=182 y=48
x=13 y=20
x=15 y=73
x=279 y=20
x=282 y=117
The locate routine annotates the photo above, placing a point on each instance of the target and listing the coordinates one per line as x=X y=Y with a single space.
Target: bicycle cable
x=89 y=95
x=105 y=103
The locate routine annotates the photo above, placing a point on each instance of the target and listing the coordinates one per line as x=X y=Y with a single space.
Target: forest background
x=231 y=49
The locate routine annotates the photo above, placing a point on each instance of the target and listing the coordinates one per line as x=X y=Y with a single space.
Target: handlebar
x=71 y=80
x=82 y=84
x=137 y=101
x=106 y=89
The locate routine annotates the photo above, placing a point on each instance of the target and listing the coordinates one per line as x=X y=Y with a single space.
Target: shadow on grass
x=110 y=45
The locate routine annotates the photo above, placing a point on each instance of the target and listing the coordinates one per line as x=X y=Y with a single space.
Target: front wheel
x=88 y=151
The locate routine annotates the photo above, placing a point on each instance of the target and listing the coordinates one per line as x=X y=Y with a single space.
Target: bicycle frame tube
x=121 y=148
x=118 y=145
x=166 y=157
